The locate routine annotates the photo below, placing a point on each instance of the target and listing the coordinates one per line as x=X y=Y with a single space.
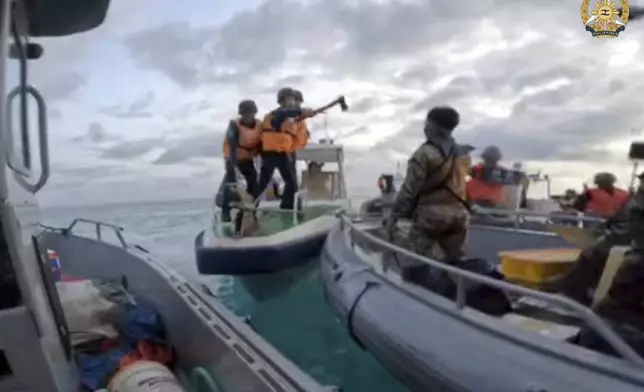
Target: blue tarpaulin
x=140 y=322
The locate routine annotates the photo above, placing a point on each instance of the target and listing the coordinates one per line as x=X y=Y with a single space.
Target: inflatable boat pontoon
x=433 y=343
x=286 y=238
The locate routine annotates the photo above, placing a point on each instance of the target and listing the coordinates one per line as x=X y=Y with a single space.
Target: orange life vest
x=248 y=141
x=301 y=135
x=278 y=140
x=605 y=204
x=479 y=190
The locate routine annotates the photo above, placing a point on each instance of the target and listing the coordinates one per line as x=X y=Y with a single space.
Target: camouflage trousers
x=442 y=238
x=588 y=269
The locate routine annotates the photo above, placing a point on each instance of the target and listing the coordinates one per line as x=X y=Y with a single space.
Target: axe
x=338 y=101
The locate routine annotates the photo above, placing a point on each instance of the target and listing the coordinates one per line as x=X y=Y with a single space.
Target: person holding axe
x=279 y=143
x=283 y=133
x=241 y=145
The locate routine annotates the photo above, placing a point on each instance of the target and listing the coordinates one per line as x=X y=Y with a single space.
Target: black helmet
x=444 y=116
x=284 y=93
x=492 y=153
x=246 y=106
x=605 y=178
x=298 y=95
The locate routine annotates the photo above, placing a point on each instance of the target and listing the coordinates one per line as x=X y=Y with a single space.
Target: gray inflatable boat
x=433 y=343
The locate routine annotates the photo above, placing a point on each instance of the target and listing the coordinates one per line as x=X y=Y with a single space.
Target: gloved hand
x=307 y=112
x=390 y=227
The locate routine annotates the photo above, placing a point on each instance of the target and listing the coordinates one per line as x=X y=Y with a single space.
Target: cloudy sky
x=138 y=107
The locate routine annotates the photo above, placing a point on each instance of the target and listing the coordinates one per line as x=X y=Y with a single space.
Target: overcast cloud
x=139 y=106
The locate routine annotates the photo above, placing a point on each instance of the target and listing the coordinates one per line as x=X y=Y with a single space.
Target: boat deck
x=272 y=222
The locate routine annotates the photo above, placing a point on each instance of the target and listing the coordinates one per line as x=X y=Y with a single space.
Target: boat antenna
x=326 y=126
x=635 y=154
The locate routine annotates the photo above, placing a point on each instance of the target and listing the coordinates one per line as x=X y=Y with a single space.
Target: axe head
x=343 y=103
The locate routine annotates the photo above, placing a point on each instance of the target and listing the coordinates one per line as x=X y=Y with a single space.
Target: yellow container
x=537 y=265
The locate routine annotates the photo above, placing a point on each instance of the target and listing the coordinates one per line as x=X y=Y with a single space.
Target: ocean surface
x=295 y=319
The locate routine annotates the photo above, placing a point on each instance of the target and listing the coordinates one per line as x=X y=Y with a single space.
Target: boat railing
x=579 y=218
x=462 y=277
x=98 y=227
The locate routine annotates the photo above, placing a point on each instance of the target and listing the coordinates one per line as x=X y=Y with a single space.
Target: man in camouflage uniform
x=584 y=277
x=431 y=193
x=624 y=302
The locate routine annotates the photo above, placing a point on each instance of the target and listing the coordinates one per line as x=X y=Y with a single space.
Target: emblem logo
x=603 y=19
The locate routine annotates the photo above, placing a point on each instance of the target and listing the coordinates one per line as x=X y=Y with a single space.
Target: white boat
x=287 y=238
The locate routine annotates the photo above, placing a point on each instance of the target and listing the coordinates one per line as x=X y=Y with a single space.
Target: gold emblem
x=603 y=19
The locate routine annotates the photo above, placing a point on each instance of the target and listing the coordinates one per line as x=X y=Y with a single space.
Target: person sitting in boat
x=624 y=301
x=568 y=200
x=479 y=190
x=623 y=304
x=242 y=143
x=280 y=139
x=431 y=194
x=603 y=200
x=583 y=278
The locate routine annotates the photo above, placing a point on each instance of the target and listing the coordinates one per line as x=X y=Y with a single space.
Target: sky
x=138 y=107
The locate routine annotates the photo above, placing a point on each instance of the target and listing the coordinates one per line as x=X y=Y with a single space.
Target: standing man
x=279 y=143
x=431 y=192
x=241 y=145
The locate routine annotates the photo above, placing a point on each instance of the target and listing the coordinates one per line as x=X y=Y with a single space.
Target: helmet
x=445 y=117
x=246 y=106
x=605 y=178
x=491 y=152
x=283 y=93
x=298 y=95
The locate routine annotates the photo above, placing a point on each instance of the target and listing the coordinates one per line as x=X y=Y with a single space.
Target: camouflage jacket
x=433 y=180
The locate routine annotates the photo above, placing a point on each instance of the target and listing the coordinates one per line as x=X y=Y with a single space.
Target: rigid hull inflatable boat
x=444 y=345
x=203 y=331
x=36 y=336
x=286 y=239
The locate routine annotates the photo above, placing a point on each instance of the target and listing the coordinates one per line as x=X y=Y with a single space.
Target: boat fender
x=368 y=285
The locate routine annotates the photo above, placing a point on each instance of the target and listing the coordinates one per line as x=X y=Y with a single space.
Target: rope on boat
x=202 y=381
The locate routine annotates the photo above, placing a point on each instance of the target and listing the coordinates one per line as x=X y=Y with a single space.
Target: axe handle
x=319 y=110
